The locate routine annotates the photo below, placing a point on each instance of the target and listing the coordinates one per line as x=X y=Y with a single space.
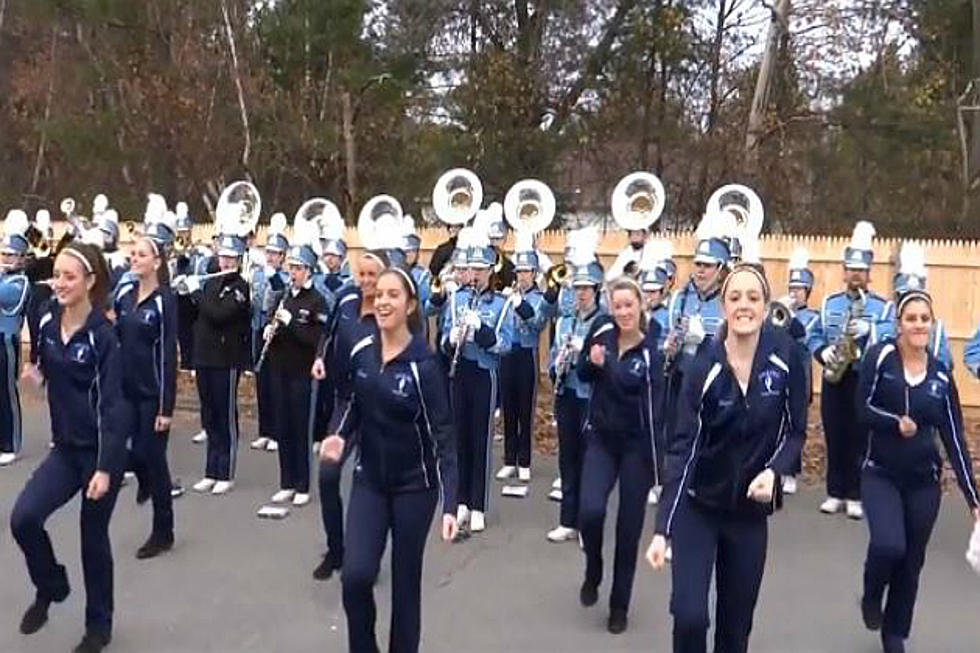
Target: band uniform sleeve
x=223 y=305
x=817 y=339
x=971 y=354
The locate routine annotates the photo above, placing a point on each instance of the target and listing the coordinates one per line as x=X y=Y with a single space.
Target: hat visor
x=651 y=286
x=226 y=251
x=705 y=258
x=856 y=266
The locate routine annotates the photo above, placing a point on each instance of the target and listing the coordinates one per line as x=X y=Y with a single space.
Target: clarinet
x=275 y=328
x=463 y=337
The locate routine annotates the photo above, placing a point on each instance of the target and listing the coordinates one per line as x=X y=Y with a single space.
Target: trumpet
x=42 y=250
x=556 y=275
x=781 y=312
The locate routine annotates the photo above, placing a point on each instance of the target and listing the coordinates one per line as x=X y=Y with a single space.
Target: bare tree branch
x=246 y=151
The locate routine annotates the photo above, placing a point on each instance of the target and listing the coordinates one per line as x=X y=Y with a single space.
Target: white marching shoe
x=272 y=445
x=854 y=510
x=201 y=437
x=6 y=458
x=831 y=505
x=789 y=485
x=653 y=496
x=259 y=443
x=562 y=534
x=478 y=522
x=556 y=484
x=222 y=487
x=204 y=485
x=462 y=515
x=301 y=499
x=283 y=496
x=506 y=472
x=524 y=474
x=669 y=553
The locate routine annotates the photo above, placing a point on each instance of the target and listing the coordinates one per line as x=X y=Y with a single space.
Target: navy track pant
x=294 y=399
x=733 y=549
x=474 y=399
x=900 y=520
x=11 y=428
x=61 y=475
x=218 y=390
x=846 y=438
x=149 y=460
x=373 y=514
x=608 y=459
x=519 y=386
x=570 y=415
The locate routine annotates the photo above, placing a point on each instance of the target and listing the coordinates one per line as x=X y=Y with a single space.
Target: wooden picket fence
x=953 y=266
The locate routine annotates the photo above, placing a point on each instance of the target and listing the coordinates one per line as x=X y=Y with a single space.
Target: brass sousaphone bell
x=638 y=201
x=457 y=196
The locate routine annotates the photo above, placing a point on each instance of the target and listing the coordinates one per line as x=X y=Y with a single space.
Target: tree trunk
x=43 y=140
x=247 y=149
x=348 y=118
x=778 y=26
x=3 y=12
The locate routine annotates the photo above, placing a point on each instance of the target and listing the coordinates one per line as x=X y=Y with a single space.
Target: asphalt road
x=237 y=583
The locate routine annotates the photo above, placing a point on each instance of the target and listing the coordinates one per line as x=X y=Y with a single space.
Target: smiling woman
x=741 y=422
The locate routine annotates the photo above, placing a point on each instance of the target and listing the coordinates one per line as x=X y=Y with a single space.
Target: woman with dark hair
x=78 y=358
x=906 y=396
x=398 y=413
x=626 y=372
x=146 y=324
x=353 y=320
x=741 y=422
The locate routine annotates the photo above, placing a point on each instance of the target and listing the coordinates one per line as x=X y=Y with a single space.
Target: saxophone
x=846 y=348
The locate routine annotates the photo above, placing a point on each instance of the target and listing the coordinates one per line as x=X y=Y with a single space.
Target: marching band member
x=723 y=465
x=398 y=412
x=850 y=321
x=628 y=260
x=352 y=321
x=572 y=392
x=221 y=349
x=334 y=253
x=905 y=396
x=912 y=276
x=804 y=318
x=79 y=360
x=621 y=441
x=146 y=325
x=15 y=290
x=480 y=331
x=653 y=283
x=268 y=285
x=39 y=269
x=292 y=336
x=504 y=274
x=107 y=222
x=443 y=253
x=696 y=311
x=420 y=274
x=519 y=367
x=186 y=263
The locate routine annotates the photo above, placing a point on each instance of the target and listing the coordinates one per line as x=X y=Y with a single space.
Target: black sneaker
x=589 y=593
x=93 y=642
x=154 y=547
x=871 y=613
x=142 y=494
x=617 y=621
x=176 y=489
x=35 y=617
x=327 y=566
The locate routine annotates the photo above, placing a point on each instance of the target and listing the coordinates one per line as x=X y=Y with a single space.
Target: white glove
x=454 y=336
x=507 y=292
x=577 y=342
x=192 y=283
x=829 y=356
x=857 y=328
x=451 y=286
x=695 y=334
x=472 y=320
x=268 y=332
x=973 y=549
x=284 y=316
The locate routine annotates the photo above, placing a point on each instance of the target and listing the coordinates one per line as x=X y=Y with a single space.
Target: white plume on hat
x=655 y=251
x=480 y=234
x=716 y=224
x=862 y=236
x=496 y=211
x=751 y=250
x=277 y=224
x=464 y=239
x=408 y=225
x=156 y=206
x=305 y=232
x=16 y=223
x=385 y=233
x=912 y=259
x=42 y=220
x=799 y=259
x=582 y=244
x=169 y=220
x=523 y=241
x=181 y=211
x=99 y=204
